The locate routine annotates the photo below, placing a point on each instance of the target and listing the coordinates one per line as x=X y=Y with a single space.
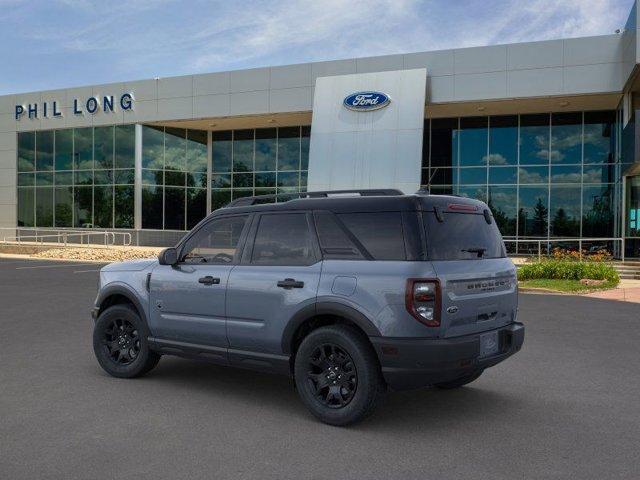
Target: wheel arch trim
x=125 y=291
x=326 y=308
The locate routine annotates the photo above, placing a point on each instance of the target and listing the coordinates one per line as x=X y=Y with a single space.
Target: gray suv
x=349 y=293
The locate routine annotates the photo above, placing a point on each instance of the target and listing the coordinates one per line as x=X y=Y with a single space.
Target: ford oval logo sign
x=366 y=101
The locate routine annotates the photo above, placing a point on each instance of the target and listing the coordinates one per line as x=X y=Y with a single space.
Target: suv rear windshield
x=462 y=236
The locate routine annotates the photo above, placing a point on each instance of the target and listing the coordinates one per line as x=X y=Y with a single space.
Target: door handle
x=289 y=283
x=209 y=280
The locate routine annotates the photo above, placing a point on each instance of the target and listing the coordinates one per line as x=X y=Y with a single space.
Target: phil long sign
x=92 y=105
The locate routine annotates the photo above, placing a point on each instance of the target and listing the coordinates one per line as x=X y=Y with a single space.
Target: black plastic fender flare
x=128 y=293
x=326 y=308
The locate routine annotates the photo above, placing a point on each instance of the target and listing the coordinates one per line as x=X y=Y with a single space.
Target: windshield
x=462 y=236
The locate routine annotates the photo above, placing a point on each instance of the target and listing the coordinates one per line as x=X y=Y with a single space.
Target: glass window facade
x=80 y=177
x=174 y=178
x=258 y=162
x=543 y=175
x=85 y=177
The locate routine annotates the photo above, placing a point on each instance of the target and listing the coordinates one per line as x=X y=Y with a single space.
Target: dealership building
x=544 y=132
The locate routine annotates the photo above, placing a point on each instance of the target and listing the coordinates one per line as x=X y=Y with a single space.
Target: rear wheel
x=337 y=375
x=460 y=382
x=120 y=343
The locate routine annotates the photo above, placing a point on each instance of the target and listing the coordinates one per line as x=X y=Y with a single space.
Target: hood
x=130 y=265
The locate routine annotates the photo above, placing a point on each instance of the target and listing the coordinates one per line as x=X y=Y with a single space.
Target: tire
x=120 y=343
x=460 y=382
x=337 y=375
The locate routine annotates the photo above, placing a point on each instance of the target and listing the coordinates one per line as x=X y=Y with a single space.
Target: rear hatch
x=477 y=280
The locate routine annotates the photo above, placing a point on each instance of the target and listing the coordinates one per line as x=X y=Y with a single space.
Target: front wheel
x=337 y=375
x=120 y=343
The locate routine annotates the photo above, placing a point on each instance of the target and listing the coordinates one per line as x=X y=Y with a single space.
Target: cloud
x=532 y=176
x=79 y=41
x=495 y=159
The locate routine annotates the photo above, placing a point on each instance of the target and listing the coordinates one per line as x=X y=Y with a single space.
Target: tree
x=564 y=226
x=540 y=222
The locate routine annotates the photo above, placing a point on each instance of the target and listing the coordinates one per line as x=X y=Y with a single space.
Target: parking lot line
x=86 y=271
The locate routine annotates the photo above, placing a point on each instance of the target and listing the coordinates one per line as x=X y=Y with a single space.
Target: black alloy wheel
x=122 y=341
x=332 y=375
x=337 y=374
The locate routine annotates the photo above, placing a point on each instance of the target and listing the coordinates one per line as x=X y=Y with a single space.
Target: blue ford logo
x=366 y=101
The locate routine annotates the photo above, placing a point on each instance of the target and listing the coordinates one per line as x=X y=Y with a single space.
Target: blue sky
x=46 y=44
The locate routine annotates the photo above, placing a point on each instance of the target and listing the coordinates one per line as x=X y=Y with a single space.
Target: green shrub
x=568 y=270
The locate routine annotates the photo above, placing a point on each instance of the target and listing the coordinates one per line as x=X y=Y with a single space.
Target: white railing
x=82 y=238
x=544 y=246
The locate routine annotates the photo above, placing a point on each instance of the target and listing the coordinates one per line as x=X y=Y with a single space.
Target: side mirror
x=168 y=256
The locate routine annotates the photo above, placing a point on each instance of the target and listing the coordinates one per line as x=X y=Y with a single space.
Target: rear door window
x=462 y=236
x=336 y=242
x=283 y=239
x=380 y=233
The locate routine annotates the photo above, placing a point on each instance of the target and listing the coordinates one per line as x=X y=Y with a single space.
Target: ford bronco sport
x=349 y=293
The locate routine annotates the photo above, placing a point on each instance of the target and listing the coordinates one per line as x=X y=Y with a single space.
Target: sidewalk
x=627 y=291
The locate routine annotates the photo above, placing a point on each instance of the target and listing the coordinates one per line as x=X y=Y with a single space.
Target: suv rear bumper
x=412 y=363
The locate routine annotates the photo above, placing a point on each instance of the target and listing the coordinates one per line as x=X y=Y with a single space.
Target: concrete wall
x=368 y=149
x=8 y=148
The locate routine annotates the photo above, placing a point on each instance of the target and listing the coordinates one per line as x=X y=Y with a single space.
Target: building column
x=137 y=195
x=209 y=170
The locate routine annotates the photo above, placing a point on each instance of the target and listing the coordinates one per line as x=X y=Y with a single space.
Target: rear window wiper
x=479 y=250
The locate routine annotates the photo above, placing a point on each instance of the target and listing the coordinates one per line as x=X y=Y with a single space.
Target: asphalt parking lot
x=567 y=406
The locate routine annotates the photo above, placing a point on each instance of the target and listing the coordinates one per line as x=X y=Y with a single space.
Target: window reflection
x=503 y=140
x=26 y=207
x=566 y=174
x=79 y=163
x=534 y=139
x=597 y=211
x=503 y=175
x=243 y=150
x=221 y=148
x=533 y=211
x=479 y=193
x=44 y=206
x=63 y=206
x=503 y=203
x=472 y=138
x=599 y=141
x=26 y=151
x=565 y=211
x=533 y=175
x=472 y=176
x=44 y=150
x=83 y=148
x=64 y=149
x=566 y=138
x=264 y=161
x=174 y=176
x=103 y=147
x=266 y=147
x=442 y=142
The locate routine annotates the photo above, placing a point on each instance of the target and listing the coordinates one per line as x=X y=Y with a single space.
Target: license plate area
x=489 y=344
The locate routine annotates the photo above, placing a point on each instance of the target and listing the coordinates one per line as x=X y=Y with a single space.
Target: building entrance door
x=632 y=216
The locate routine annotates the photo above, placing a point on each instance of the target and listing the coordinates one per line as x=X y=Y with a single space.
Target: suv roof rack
x=246 y=201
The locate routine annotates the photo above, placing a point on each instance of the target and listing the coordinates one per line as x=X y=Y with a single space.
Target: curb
x=543 y=290
x=37 y=259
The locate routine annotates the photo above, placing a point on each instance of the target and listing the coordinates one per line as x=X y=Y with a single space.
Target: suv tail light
x=422 y=299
